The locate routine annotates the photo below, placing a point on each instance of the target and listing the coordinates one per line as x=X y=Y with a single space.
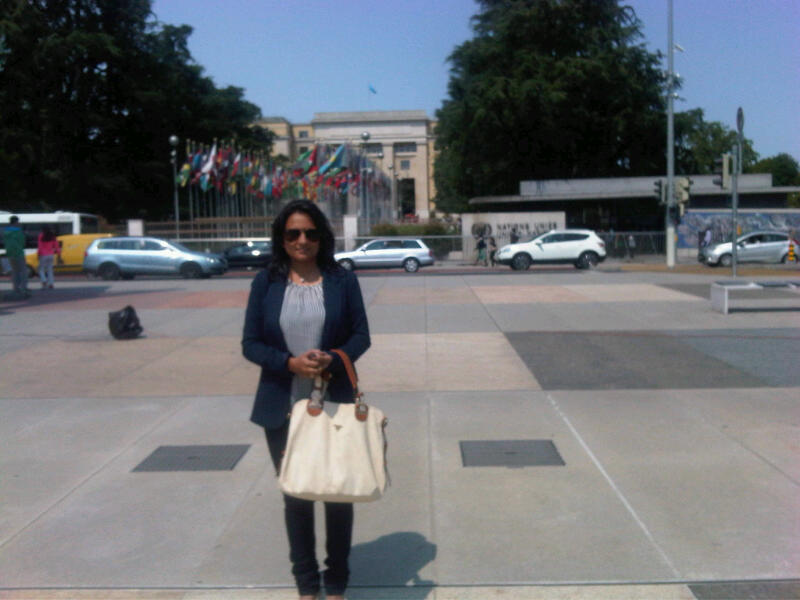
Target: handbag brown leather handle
x=361 y=407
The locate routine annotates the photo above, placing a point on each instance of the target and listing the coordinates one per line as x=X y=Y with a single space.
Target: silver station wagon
x=126 y=257
x=409 y=253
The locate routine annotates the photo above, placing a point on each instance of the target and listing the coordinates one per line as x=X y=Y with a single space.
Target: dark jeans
x=299 y=516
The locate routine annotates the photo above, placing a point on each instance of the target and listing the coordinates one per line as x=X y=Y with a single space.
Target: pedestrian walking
x=514 y=235
x=48 y=249
x=481 y=251
x=492 y=250
x=301 y=307
x=14 y=241
x=631 y=246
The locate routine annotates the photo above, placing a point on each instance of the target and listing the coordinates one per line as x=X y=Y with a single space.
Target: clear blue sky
x=296 y=58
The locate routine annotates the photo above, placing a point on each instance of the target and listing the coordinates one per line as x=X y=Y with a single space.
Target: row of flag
x=320 y=168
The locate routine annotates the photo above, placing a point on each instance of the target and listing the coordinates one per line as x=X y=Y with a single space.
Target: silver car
x=126 y=257
x=409 y=253
x=756 y=246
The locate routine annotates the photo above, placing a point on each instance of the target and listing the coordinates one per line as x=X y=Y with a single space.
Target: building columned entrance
x=407 y=200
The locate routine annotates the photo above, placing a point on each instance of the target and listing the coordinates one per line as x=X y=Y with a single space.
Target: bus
x=61 y=222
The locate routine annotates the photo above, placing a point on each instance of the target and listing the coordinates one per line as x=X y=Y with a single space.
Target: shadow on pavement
x=393 y=560
x=71 y=294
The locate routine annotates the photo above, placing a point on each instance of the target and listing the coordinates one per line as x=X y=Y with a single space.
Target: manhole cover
x=193 y=458
x=510 y=453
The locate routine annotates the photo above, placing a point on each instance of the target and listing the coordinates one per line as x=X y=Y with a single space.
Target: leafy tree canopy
x=698 y=143
x=548 y=89
x=90 y=91
x=784 y=168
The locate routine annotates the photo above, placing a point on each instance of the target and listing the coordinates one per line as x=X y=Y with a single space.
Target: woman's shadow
x=392 y=561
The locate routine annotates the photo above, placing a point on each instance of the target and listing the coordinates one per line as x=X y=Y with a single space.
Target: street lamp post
x=670 y=232
x=737 y=169
x=173 y=141
x=382 y=201
x=392 y=198
x=364 y=201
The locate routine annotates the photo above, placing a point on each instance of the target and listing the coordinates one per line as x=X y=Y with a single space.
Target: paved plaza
x=677 y=427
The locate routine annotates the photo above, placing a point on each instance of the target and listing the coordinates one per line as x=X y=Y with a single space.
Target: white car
x=580 y=247
x=409 y=253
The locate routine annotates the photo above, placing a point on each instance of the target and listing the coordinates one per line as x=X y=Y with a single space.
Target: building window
x=405 y=147
x=405 y=165
x=303 y=149
x=303 y=134
x=374 y=148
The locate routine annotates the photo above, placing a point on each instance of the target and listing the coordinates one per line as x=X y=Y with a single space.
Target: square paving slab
x=622 y=360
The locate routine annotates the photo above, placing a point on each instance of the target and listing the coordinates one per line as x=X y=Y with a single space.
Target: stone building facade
x=400 y=143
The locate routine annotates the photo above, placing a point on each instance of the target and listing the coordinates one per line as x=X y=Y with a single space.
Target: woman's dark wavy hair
x=279 y=267
x=47 y=234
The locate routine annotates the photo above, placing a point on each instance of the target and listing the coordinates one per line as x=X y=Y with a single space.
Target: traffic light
x=722 y=170
x=682 y=190
x=659 y=191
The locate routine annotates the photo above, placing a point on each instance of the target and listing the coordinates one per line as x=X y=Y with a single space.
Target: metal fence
x=619 y=244
x=455 y=248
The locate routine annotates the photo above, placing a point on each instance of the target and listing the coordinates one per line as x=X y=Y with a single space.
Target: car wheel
x=108 y=271
x=411 y=265
x=726 y=260
x=191 y=270
x=347 y=264
x=784 y=258
x=521 y=262
x=587 y=260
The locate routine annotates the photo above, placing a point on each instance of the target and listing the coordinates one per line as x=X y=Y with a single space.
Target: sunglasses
x=292 y=235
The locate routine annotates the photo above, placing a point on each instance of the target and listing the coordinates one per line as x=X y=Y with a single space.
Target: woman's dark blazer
x=345 y=328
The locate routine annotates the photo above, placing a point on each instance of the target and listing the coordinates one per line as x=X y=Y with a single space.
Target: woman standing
x=48 y=249
x=300 y=307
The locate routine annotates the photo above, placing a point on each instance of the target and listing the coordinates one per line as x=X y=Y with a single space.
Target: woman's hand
x=324 y=359
x=309 y=364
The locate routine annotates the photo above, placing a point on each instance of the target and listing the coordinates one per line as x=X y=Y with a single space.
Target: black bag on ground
x=124 y=324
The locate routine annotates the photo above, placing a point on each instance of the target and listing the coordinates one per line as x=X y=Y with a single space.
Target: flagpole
x=188 y=192
x=173 y=141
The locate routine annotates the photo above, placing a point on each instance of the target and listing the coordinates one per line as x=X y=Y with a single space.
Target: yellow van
x=73 y=246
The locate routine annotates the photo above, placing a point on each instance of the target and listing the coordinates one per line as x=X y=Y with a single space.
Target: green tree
x=784 y=168
x=90 y=91
x=698 y=143
x=548 y=89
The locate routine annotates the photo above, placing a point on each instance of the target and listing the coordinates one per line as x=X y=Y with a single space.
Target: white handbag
x=335 y=452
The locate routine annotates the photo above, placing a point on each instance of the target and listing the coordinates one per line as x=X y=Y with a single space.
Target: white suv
x=581 y=247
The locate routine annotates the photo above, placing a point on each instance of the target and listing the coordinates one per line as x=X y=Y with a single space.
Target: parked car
x=581 y=247
x=73 y=248
x=126 y=257
x=252 y=254
x=756 y=246
x=411 y=254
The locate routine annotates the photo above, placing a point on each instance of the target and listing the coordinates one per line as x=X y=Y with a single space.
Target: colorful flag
x=186 y=172
x=334 y=161
x=212 y=156
x=307 y=161
x=237 y=163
